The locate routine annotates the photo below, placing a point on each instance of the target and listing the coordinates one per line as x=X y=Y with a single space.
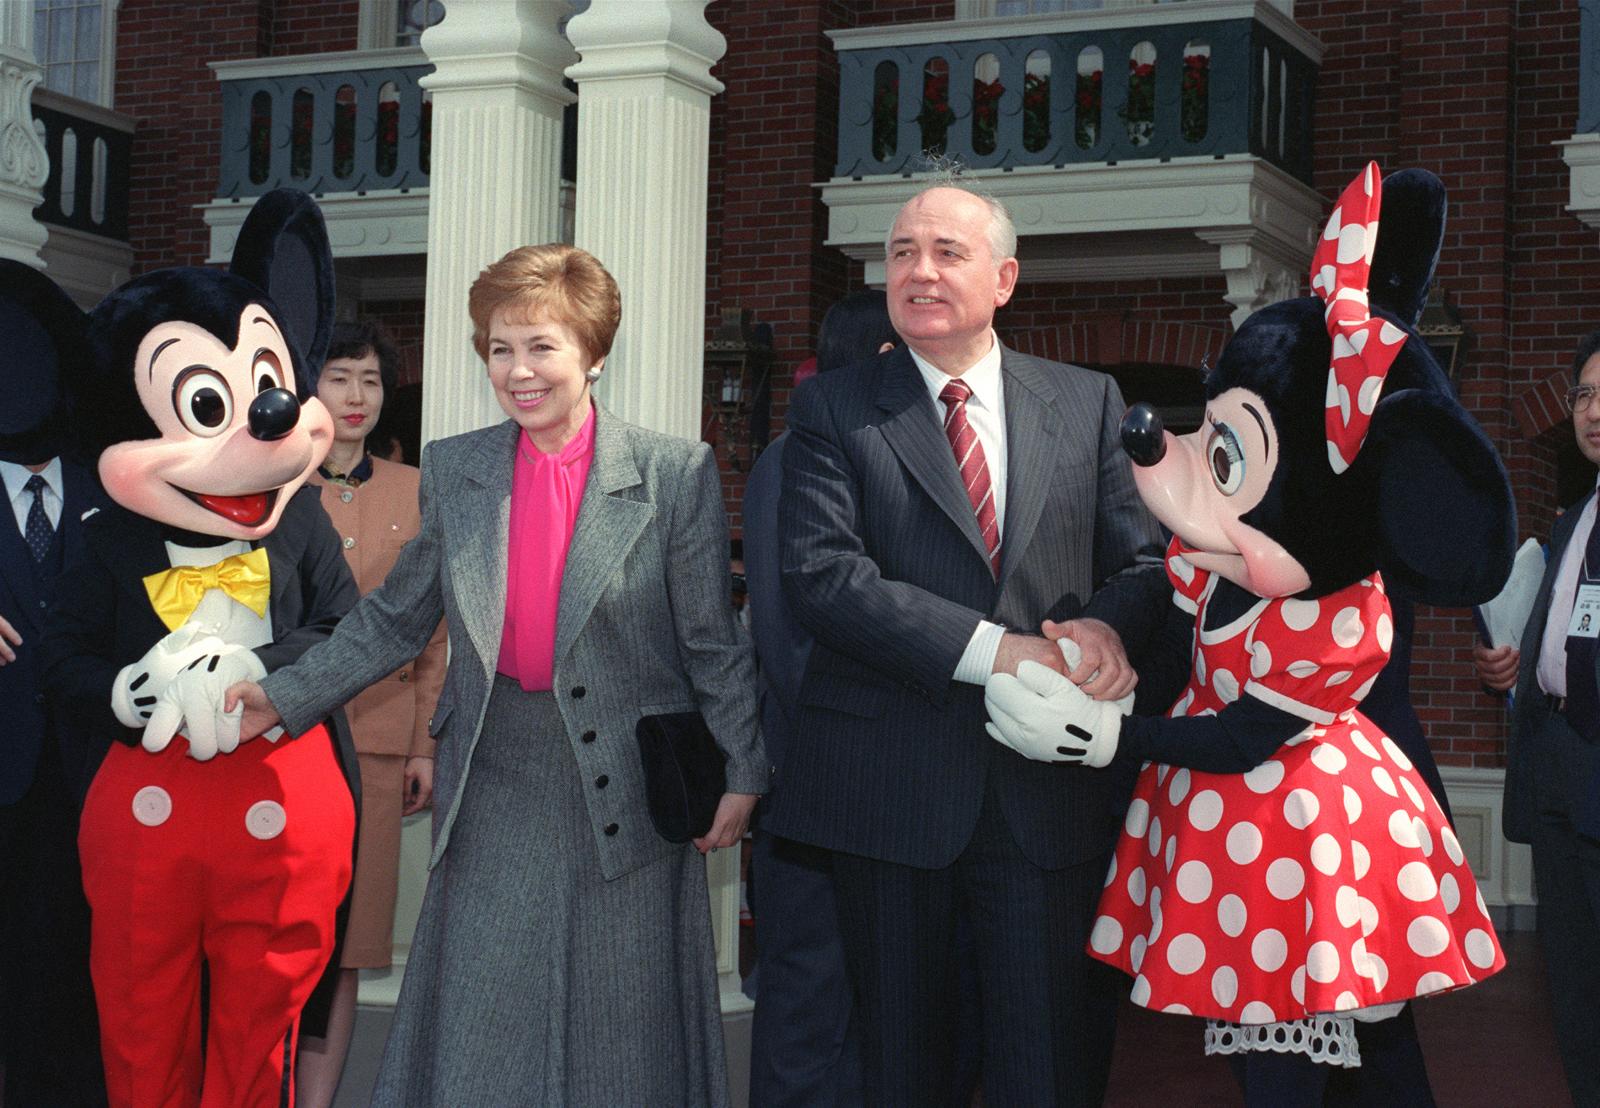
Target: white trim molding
x=1582 y=155
x=360 y=225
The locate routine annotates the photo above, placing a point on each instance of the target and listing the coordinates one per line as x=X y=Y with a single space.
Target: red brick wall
x=315 y=28
x=163 y=82
x=403 y=320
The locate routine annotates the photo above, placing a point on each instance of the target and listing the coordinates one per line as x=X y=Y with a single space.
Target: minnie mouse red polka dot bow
x=1363 y=347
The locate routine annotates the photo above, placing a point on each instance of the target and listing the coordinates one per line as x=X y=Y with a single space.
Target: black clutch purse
x=685 y=774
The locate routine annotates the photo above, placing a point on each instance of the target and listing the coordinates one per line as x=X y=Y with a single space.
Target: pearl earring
x=592 y=375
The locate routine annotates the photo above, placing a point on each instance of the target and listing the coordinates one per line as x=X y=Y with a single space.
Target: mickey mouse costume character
x=214 y=564
x=1284 y=869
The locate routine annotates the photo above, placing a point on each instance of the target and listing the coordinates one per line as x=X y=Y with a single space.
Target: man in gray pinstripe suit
x=908 y=551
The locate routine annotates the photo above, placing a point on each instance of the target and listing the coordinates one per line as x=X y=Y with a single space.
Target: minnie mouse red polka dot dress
x=1327 y=879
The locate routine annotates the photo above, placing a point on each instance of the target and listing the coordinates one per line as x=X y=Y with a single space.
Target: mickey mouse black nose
x=1144 y=439
x=273 y=414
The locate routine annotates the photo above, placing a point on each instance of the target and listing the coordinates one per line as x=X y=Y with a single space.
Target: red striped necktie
x=974 y=469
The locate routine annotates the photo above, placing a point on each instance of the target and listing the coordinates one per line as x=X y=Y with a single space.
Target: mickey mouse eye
x=267 y=371
x=203 y=401
x=1226 y=459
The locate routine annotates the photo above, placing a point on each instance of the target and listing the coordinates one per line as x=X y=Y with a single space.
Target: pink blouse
x=546 y=491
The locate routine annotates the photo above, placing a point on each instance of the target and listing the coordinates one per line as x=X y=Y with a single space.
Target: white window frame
x=106 y=90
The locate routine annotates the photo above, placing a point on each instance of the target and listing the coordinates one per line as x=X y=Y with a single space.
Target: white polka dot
x=1244 y=843
x=1345 y=1002
x=1378 y=970
x=1178 y=1010
x=1194 y=881
x=1322 y=962
x=1303 y=668
x=1385 y=629
x=1310 y=915
x=1186 y=953
x=1359 y=958
x=1260 y=660
x=1231 y=915
x=1285 y=878
x=1452 y=845
x=1205 y=810
x=1181 y=569
x=1427 y=936
x=1155 y=837
x=1226 y=685
x=1106 y=938
x=1328 y=758
x=1136 y=885
x=1480 y=948
x=1172 y=850
x=1360 y=858
x=1265 y=777
x=1369 y=916
x=1416 y=882
x=1364 y=688
x=1200 y=667
x=1402 y=830
x=1297 y=984
x=1347 y=906
x=1352 y=804
x=1347 y=627
x=1337 y=677
x=1161 y=772
x=1136 y=951
x=1269 y=949
x=1411 y=791
x=1326 y=854
x=1257 y=1012
x=1155 y=914
x=1225 y=986
x=1179 y=787
x=1381 y=778
x=1299 y=615
x=1181 y=708
x=1111 y=874
x=1140 y=993
x=1300 y=808
x=1137 y=819
x=1394 y=752
x=1449 y=893
x=1424 y=837
x=1483 y=909
x=1434 y=982
x=1363 y=744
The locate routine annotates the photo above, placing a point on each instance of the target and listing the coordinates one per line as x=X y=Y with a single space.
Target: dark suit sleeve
x=326 y=586
x=781 y=646
x=77 y=655
x=1132 y=588
x=834 y=588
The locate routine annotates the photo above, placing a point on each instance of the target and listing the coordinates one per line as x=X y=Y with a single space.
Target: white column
x=644 y=112
x=23 y=163
x=494 y=183
x=1259 y=271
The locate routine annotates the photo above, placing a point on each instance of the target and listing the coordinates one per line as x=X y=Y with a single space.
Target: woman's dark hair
x=1588 y=348
x=853 y=330
x=356 y=340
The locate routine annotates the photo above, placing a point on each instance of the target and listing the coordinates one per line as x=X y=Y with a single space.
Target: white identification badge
x=1585 y=622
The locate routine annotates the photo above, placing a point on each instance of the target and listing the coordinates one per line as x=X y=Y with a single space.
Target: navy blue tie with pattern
x=38 y=532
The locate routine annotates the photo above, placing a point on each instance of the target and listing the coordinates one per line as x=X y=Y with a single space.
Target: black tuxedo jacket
x=103 y=620
x=25 y=597
x=884 y=565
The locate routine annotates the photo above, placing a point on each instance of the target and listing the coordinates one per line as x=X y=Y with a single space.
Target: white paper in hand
x=1507 y=614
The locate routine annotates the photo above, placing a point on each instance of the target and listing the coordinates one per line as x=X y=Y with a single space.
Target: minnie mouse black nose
x=1144 y=439
x=273 y=414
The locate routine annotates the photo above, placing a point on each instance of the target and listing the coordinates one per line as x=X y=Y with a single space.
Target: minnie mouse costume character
x=214 y=565
x=1284 y=869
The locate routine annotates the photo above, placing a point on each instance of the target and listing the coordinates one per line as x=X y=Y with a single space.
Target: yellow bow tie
x=175 y=593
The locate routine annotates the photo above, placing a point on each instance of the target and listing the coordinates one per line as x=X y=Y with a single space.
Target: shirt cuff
x=977 y=660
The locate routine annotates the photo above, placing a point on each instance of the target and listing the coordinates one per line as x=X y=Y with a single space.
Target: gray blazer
x=645 y=623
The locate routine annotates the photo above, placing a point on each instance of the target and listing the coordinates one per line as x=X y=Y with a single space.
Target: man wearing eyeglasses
x=1553 y=758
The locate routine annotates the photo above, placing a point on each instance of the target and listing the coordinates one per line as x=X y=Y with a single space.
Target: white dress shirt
x=986 y=414
x=1563 y=595
x=16 y=478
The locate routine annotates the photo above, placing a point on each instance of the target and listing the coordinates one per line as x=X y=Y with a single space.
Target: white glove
x=1072 y=654
x=138 y=686
x=192 y=703
x=1043 y=716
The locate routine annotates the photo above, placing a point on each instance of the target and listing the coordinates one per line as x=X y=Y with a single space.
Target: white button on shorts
x=265 y=819
x=152 y=806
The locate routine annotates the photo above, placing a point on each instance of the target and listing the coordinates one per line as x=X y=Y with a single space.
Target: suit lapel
x=18 y=573
x=1533 y=634
x=606 y=530
x=914 y=433
x=1032 y=438
x=481 y=534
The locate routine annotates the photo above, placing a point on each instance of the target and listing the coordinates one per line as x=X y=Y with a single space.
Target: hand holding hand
x=1017 y=648
x=729 y=824
x=1103 y=670
x=8 y=639
x=257 y=713
x=417 y=791
x=140 y=685
x=1043 y=716
x=194 y=702
x=1497 y=666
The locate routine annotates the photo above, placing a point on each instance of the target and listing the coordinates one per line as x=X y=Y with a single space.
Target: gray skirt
x=533 y=980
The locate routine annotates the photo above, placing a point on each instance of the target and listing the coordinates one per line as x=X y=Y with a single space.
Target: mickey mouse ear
x=283 y=249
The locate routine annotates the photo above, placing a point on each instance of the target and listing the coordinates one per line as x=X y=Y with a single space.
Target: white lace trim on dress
x=1330 y=1040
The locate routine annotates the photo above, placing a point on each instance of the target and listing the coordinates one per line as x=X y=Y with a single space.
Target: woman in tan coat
x=373 y=505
